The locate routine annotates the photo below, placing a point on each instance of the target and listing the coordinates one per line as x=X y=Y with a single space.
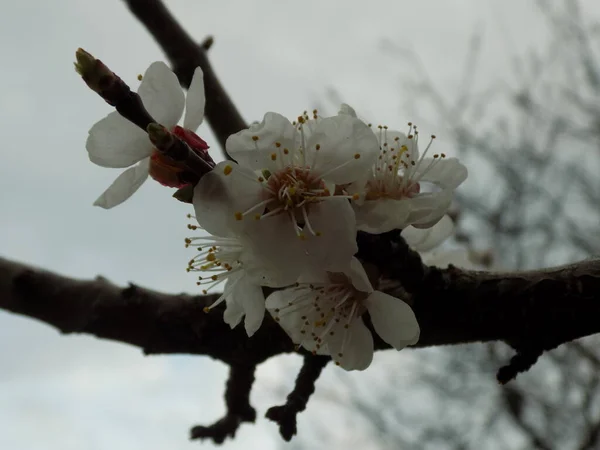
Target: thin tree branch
x=285 y=415
x=237 y=400
x=185 y=55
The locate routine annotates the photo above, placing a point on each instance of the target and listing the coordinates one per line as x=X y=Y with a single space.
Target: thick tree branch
x=533 y=311
x=154 y=321
x=543 y=307
x=185 y=55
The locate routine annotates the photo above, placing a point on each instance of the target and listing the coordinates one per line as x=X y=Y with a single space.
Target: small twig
x=285 y=415
x=237 y=399
x=112 y=89
x=521 y=362
x=195 y=162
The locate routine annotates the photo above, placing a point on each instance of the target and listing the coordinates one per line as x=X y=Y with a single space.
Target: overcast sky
x=73 y=393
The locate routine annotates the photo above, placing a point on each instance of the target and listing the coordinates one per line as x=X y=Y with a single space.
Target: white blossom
x=232 y=260
x=427 y=239
x=117 y=143
x=282 y=193
x=391 y=196
x=324 y=315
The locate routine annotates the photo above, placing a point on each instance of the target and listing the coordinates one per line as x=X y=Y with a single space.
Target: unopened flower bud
x=93 y=71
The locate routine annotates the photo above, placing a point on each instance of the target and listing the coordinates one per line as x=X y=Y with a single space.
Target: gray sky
x=77 y=392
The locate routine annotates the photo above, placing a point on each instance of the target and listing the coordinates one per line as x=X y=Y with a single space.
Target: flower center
x=294 y=187
x=325 y=310
x=397 y=173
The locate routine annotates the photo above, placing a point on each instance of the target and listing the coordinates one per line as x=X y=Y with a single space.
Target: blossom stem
x=112 y=89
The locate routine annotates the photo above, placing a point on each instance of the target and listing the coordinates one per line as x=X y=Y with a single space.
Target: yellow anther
x=211 y=257
x=273 y=156
x=255 y=138
x=206 y=309
x=277 y=144
x=140 y=77
x=238 y=216
x=227 y=169
x=356 y=155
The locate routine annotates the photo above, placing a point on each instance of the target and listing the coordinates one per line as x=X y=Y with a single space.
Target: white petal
x=290 y=318
x=393 y=320
x=423 y=240
x=162 y=95
x=234 y=313
x=234 y=309
x=116 y=142
x=124 y=186
x=447 y=173
x=359 y=277
x=341 y=138
x=251 y=297
x=279 y=255
x=427 y=209
x=459 y=258
x=195 y=102
x=356 y=342
x=335 y=221
x=257 y=155
x=217 y=197
x=383 y=215
x=347 y=109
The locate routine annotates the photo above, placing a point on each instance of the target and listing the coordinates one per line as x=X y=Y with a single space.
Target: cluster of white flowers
x=285 y=215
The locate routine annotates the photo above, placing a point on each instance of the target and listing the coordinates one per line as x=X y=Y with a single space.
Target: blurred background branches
x=532 y=200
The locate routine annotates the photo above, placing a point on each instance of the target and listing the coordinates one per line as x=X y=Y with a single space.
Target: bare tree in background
x=533 y=201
